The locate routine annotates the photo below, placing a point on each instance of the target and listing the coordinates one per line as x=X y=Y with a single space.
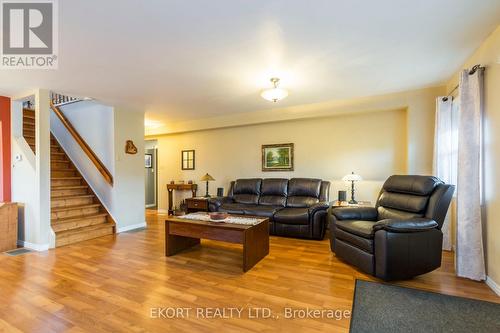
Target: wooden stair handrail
x=85 y=147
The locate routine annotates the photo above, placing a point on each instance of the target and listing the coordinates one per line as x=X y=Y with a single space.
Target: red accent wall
x=5 y=154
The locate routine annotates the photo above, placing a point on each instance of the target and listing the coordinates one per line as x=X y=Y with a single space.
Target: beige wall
x=374 y=136
x=373 y=145
x=488 y=55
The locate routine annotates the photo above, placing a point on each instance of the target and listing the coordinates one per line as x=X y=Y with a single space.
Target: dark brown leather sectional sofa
x=295 y=207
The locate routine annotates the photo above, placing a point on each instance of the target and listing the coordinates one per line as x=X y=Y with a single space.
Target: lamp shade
x=207 y=178
x=274 y=94
x=352 y=177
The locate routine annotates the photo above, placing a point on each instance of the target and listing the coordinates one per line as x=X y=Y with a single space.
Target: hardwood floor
x=111 y=283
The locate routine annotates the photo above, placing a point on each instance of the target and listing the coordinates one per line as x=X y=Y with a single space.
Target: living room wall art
x=187 y=160
x=277 y=157
x=148 y=161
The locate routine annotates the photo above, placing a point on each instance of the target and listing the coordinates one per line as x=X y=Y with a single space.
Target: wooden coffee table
x=181 y=234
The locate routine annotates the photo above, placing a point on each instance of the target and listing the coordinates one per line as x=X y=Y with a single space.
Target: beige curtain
x=469 y=251
x=446 y=153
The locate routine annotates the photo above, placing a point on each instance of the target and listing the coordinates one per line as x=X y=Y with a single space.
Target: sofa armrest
x=410 y=225
x=216 y=202
x=355 y=213
x=318 y=207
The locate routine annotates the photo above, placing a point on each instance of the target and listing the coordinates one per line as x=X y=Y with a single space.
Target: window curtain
x=469 y=249
x=446 y=153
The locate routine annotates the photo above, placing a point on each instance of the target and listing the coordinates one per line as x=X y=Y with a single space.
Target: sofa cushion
x=390 y=213
x=304 y=187
x=303 y=192
x=273 y=192
x=401 y=201
x=292 y=216
x=363 y=243
x=261 y=210
x=233 y=208
x=418 y=185
x=297 y=202
x=247 y=191
x=357 y=227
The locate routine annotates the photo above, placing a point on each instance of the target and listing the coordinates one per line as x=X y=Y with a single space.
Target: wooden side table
x=336 y=204
x=178 y=187
x=197 y=204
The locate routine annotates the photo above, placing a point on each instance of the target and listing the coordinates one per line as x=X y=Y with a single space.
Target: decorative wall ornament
x=130 y=148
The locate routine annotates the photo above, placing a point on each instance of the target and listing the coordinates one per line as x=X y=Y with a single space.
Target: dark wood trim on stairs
x=85 y=147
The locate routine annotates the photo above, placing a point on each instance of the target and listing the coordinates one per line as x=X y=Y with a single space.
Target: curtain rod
x=471 y=72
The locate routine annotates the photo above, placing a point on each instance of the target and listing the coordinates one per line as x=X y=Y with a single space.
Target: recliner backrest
x=303 y=192
x=406 y=196
x=273 y=192
x=439 y=202
x=246 y=191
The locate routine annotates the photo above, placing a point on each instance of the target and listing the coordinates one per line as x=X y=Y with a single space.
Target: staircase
x=29 y=128
x=76 y=213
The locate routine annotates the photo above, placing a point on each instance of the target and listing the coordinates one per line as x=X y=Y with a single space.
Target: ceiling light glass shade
x=274 y=94
x=352 y=177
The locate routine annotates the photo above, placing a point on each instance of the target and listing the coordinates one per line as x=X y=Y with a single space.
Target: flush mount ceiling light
x=274 y=94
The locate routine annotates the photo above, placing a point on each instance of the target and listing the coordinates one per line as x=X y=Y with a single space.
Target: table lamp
x=352 y=177
x=207 y=178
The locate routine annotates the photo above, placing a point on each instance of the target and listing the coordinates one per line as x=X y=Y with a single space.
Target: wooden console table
x=178 y=187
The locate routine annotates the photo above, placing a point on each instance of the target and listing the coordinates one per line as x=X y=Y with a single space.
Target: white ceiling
x=181 y=60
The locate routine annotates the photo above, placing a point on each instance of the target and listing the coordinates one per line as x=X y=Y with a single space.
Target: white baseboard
x=493 y=285
x=162 y=211
x=32 y=246
x=131 y=227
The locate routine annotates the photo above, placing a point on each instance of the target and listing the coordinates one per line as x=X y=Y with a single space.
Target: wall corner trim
x=33 y=246
x=131 y=227
x=493 y=285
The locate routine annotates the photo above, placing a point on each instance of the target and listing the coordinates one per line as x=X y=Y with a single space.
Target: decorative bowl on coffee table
x=218 y=216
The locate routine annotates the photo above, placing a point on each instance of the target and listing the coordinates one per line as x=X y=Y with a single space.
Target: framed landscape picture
x=277 y=157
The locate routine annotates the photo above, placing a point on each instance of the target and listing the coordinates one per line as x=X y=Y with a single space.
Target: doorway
x=151 y=173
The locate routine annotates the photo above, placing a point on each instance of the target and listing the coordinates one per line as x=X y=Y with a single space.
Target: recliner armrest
x=411 y=225
x=355 y=213
x=218 y=201
x=318 y=207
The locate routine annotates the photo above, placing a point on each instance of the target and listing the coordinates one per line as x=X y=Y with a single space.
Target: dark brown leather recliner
x=295 y=207
x=401 y=236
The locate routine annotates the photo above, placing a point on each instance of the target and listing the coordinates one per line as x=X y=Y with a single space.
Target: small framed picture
x=148 y=160
x=187 y=160
x=277 y=157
